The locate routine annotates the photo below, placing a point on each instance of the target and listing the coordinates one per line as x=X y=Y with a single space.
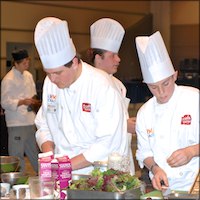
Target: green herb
x=108 y=181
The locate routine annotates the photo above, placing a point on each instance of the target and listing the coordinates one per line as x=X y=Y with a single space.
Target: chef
x=167 y=125
x=82 y=114
x=17 y=91
x=106 y=36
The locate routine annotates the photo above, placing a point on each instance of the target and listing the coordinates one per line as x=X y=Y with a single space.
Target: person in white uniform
x=167 y=125
x=82 y=114
x=17 y=90
x=106 y=36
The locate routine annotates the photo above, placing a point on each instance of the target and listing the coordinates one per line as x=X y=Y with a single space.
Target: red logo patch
x=86 y=107
x=186 y=119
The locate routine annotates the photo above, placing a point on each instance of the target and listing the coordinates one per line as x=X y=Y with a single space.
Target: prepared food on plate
x=107 y=181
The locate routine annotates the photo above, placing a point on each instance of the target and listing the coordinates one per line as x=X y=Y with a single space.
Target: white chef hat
x=106 y=34
x=154 y=60
x=53 y=43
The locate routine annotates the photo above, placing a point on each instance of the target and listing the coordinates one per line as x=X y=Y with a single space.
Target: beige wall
x=184 y=13
x=184 y=40
x=18 y=19
x=178 y=22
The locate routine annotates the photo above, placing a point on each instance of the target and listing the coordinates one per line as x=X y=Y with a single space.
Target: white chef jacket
x=122 y=91
x=16 y=86
x=164 y=128
x=88 y=117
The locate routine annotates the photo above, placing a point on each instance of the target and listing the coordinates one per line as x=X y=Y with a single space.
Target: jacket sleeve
x=43 y=133
x=8 y=102
x=143 y=147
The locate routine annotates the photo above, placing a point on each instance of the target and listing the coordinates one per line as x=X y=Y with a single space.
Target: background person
x=81 y=115
x=17 y=90
x=167 y=125
x=106 y=36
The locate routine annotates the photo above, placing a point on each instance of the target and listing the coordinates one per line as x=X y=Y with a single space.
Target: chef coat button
x=181 y=173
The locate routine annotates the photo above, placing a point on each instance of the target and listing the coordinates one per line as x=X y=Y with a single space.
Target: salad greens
x=108 y=181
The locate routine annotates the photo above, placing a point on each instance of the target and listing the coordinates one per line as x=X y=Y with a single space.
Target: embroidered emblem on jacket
x=51 y=103
x=51 y=98
x=186 y=119
x=86 y=107
x=150 y=132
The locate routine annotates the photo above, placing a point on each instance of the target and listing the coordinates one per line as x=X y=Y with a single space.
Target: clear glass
x=41 y=189
x=118 y=162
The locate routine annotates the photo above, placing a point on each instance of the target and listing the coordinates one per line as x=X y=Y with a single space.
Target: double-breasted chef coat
x=164 y=128
x=16 y=86
x=88 y=118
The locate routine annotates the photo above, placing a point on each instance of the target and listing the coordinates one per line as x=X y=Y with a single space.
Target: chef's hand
x=27 y=102
x=131 y=125
x=79 y=162
x=183 y=156
x=35 y=102
x=159 y=177
x=48 y=146
x=35 y=105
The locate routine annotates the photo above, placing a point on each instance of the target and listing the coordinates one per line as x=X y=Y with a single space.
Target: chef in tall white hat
x=155 y=62
x=167 y=124
x=81 y=114
x=53 y=42
x=106 y=36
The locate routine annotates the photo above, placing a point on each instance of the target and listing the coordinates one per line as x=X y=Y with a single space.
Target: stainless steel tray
x=182 y=196
x=83 y=194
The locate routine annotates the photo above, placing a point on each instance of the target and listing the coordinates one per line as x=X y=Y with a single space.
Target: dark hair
x=19 y=54
x=91 y=53
x=69 y=64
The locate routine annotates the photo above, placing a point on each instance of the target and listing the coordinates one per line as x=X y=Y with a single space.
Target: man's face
x=62 y=76
x=108 y=62
x=23 y=65
x=163 y=90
